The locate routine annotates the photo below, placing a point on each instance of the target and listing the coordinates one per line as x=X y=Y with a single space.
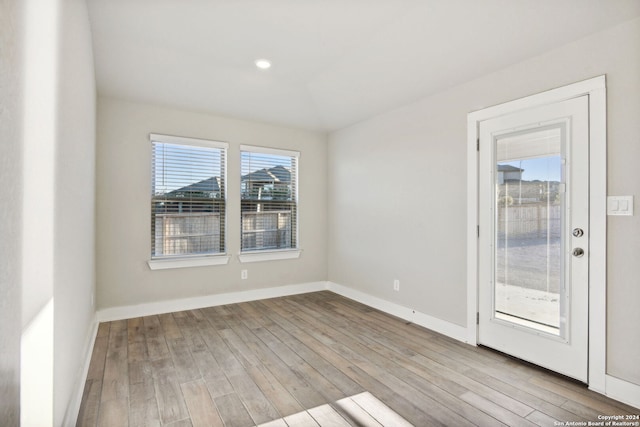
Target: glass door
x=533 y=245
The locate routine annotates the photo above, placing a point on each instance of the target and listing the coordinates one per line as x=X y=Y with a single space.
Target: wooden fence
x=266 y=230
x=529 y=220
x=200 y=233
x=187 y=233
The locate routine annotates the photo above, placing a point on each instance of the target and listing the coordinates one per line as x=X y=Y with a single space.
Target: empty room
x=319 y=213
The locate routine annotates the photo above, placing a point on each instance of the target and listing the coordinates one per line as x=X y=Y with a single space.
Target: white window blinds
x=269 y=199
x=188 y=197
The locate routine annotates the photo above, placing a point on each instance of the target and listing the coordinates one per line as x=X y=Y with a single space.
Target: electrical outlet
x=244 y=274
x=396 y=285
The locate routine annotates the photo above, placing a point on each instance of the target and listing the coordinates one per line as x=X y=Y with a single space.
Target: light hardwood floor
x=314 y=359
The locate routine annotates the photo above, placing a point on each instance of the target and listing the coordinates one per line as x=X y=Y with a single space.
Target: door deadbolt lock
x=578 y=252
x=578 y=232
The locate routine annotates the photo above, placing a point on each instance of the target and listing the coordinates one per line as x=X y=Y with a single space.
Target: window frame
x=271 y=254
x=199 y=259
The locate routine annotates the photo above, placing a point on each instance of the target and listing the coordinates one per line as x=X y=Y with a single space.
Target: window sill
x=259 y=256
x=164 y=264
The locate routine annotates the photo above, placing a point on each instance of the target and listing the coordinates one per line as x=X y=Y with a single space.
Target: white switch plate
x=620 y=205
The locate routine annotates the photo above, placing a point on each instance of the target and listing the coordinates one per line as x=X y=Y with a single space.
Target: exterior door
x=534 y=237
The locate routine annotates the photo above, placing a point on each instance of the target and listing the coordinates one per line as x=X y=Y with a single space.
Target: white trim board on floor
x=437 y=325
x=623 y=391
x=617 y=389
x=620 y=390
x=73 y=407
x=127 y=312
x=170 y=306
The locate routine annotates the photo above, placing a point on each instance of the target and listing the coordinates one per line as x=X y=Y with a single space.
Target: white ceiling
x=335 y=62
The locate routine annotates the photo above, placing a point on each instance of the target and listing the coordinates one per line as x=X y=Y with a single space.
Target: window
x=269 y=199
x=188 y=200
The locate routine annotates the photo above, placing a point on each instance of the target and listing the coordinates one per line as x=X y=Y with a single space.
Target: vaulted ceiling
x=334 y=62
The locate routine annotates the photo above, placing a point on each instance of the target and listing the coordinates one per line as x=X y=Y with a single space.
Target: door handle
x=578 y=252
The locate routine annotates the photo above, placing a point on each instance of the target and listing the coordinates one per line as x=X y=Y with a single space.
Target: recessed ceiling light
x=263 y=64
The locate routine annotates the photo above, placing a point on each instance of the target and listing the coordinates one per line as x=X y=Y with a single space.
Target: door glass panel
x=529 y=209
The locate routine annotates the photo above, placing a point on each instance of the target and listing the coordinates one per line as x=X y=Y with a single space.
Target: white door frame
x=595 y=88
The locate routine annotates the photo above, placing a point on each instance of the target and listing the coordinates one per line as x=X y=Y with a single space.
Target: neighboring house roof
x=274 y=174
x=209 y=185
x=212 y=185
x=509 y=168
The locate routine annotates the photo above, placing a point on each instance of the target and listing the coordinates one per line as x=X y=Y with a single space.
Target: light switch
x=624 y=205
x=620 y=205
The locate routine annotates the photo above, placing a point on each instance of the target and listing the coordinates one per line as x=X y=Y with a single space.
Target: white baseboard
x=73 y=408
x=623 y=391
x=159 y=307
x=616 y=388
x=433 y=323
x=148 y=309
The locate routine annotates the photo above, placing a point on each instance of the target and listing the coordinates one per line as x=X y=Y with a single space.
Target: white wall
x=74 y=200
x=40 y=25
x=53 y=204
x=41 y=32
x=123 y=206
x=11 y=96
x=398 y=188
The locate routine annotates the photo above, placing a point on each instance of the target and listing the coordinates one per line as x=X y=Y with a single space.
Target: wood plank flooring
x=314 y=360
